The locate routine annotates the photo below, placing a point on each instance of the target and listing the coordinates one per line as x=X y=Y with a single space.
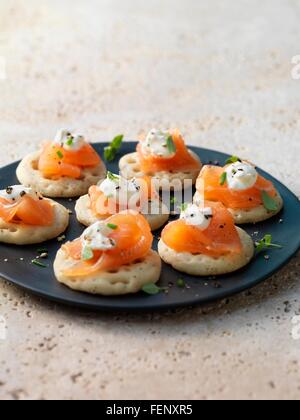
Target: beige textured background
x=219 y=70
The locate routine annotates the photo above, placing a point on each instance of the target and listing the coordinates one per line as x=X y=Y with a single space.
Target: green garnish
x=152 y=289
x=171 y=145
x=70 y=141
x=266 y=243
x=269 y=203
x=112 y=176
x=233 y=159
x=111 y=151
x=173 y=200
x=223 y=178
x=180 y=283
x=112 y=226
x=87 y=253
x=39 y=264
x=59 y=154
x=184 y=206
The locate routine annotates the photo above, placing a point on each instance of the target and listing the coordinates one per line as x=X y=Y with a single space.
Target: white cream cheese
x=197 y=216
x=16 y=192
x=69 y=141
x=121 y=190
x=241 y=176
x=96 y=237
x=156 y=143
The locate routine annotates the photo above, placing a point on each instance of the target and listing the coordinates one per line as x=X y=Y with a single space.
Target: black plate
x=285 y=229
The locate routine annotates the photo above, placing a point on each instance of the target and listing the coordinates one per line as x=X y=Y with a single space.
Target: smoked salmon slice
x=105 y=207
x=133 y=239
x=56 y=162
x=220 y=238
x=27 y=211
x=247 y=199
x=182 y=161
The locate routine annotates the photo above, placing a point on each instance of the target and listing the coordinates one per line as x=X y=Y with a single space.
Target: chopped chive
x=269 y=203
x=223 y=178
x=171 y=145
x=70 y=142
x=180 y=283
x=59 y=154
x=112 y=176
x=233 y=159
x=111 y=151
x=39 y=264
x=112 y=226
x=87 y=253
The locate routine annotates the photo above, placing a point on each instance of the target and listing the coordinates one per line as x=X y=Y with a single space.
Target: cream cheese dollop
x=156 y=144
x=68 y=140
x=197 y=216
x=16 y=192
x=241 y=176
x=96 y=237
x=121 y=190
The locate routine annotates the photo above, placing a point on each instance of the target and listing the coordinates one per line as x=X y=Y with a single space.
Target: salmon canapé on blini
x=26 y=217
x=65 y=167
x=164 y=156
x=115 y=194
x=111 y=257
x=248 y=196
x=205 y=241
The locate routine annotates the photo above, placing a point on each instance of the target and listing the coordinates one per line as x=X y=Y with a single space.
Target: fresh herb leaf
x=112 y=176
x=223 y=178
x=39 y=264
x=117 y=141
x=233 y=159
x=152 y=289
x=173 y=200
x=87 y=253
x=111 y=151
x=171 y=145
x=109 y=154
x=112 y=226
x=266 y=243
x=180 y=283
x=59 y=154
x=269 y=203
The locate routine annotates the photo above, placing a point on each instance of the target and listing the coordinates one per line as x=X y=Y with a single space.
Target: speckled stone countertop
x=219 y=70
